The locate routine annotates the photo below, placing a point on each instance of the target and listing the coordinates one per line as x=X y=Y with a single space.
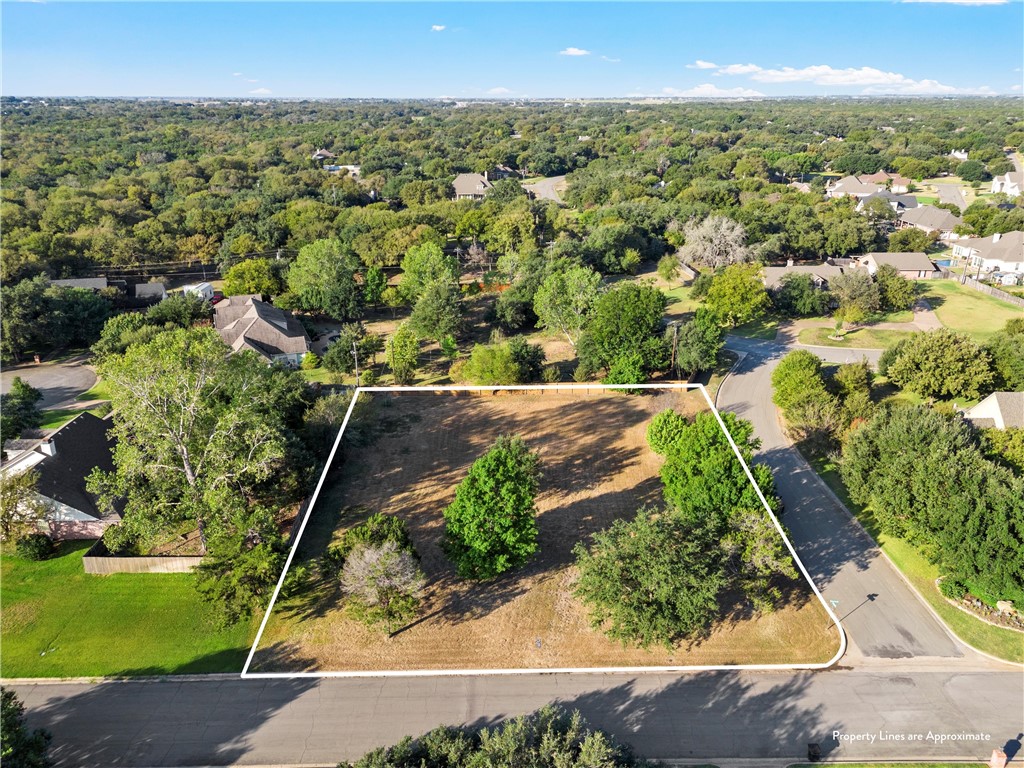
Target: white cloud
x=710 y=91
x=699 y=64
x=1015 y=87
x=251 y=80
x=438 y=27
x=738 y=69
x=609 y=58
x=261 y=92
x=236 y=74
x=499 y=91
x=574 y=52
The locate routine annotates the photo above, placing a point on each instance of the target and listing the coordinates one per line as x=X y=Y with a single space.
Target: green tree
x=799 y=389
x=972 y=170
x=252 y=276
x=626 y=319
x=21 y=508
x=944 y=364
x=654 y=579
x=21 y=748
x=857 y=294
x=339 y=358
x=513 y=362
x=696 y=343
x=374 y=284
x=565 y=300
x=19 y=410
x=182 y=310
x=403 y=348
x=895 y=291
x=1007 y=351
x=798 y=296
x=423 y=265
x=738 y=295
x=491 y=526
x=322 y=279
x=910 y=240
x=665 y=429
x=438 y=311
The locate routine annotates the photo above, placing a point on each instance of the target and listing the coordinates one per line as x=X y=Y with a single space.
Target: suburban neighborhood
x=349 y=423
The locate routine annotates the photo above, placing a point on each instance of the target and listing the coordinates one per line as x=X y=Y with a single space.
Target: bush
x=383 y=581
x=952 y=588
x=627 y=368
x=551 y=374
x=36 y=546
x=668 y=268
x=310 y=361
x=665 y=429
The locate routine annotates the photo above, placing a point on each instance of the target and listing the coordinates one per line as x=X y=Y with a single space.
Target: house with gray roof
x=471 y=186
x=248 y=322
x=912 y=265
x=821 y=274
x=1002 y=410
x=63 y=462
x=1011 y=183
x=930 y=219
x=853 y=187
x=91 y=283
x=899 y=203
x=998 y=253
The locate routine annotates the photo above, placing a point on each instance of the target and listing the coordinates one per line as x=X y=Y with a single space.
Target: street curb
x=206 y=678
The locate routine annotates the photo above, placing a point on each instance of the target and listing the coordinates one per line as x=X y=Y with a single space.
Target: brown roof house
x=852 y=186
x=1002 y=410
x=930 y=219
x=248 y=322
x=895 y=182
x=64 y=461
x=912 y=265
x=471 y=186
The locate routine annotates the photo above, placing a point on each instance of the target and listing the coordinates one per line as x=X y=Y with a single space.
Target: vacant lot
x=596 y=467
x=59 y=621
x=963 y=309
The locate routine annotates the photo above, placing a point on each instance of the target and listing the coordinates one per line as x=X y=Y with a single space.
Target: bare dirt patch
x=596 y=467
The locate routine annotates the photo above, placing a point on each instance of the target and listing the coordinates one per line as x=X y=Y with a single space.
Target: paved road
x=60 y=382
x=843 y=560
x=744 y=715
x=548 y=189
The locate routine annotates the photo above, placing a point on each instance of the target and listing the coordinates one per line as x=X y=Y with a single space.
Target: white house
x=999 y=253
x=930 y=219
x=1009 y=184
x=203 y=290
x=912 y=265
x=1002 y=410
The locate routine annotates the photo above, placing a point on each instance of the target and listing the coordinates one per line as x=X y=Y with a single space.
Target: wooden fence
x=973 y=284
x=99 y=561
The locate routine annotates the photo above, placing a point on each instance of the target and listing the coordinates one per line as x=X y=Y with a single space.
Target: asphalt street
x=882 y=616
x=710 y=715
x=60 y=383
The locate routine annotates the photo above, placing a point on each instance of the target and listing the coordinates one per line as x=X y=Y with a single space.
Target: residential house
x=998 y=253
x=852 y=186
x=893 y=181
x=930 y=219
x=500 y=172
x=63 y=462
x=248 y=322
x=899 y=203
x=1002 y=410
x=471 y=186
x=821 y=274
x=1009 y=183
x=203 y=290
x=912 y=265
x=959 y=154
x=91 y=283
x=323 y=154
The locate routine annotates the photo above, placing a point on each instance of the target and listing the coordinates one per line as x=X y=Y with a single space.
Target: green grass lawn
x=320 y=375
x=889 y=765
x=964 y=309
x=862 y=338
x=1003 y=643
x=59 y=621
x=100 y=391
x=765 y=328
x=926 y=199
x=58 y=417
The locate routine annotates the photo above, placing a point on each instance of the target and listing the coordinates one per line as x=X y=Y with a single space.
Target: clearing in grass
x=596 y=467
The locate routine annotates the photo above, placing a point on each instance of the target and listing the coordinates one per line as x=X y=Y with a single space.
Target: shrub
x=36 y=546
x=665 y=429
x=627 y=368
x=383 y=582
x=668 y=268
x=310 y=361
x=551 y=374
x=952 y=588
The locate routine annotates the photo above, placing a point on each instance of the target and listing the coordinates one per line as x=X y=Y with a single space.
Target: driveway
x=60 y=382
x=883 y=617
x=767 y=719
x=548 y=189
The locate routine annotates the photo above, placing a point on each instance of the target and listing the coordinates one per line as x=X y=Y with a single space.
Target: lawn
x=596 y=467
x=964 y=309
x=321 y=375
x=861 y=338
x=1003 y=643
x=58 y=417
x=765 y=328
x=889 y=765
x=59 y=621
x=100 y=391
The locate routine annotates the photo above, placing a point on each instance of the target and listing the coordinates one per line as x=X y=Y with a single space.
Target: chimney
x=996 y=236
x=48 y=448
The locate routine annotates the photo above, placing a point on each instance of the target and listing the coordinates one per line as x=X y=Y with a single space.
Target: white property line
x=246 y=674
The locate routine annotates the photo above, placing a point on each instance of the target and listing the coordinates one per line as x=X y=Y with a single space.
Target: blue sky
x=482 y=50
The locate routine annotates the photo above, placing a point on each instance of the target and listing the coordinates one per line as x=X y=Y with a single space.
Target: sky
x=511 y=50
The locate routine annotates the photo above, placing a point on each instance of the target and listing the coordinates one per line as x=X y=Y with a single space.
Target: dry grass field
x=596 y=467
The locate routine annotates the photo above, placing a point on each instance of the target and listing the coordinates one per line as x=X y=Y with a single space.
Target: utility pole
x=355 y=355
